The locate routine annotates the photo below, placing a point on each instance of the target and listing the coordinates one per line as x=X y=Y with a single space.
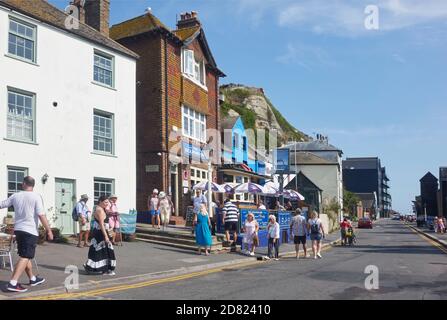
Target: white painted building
x=322 y=164
x=67 y=109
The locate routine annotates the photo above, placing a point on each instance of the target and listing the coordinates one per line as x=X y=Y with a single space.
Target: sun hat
x=155 y=191
x=113 y=196
x=162 y=194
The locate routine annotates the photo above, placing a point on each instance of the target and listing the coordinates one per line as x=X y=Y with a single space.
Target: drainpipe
x=167 y=115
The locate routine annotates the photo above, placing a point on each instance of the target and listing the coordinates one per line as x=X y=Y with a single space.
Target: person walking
x=230 y=219
x=316 y=230
x=273 y=238
x=114 y=218
x=164 y=208
x=202 y=224
x=28 y=208
x=298 y=232
x=101 y=255
x=251 y=240
x=441 y=225
x=344 y=226
x=153 y=208
x=84 y=217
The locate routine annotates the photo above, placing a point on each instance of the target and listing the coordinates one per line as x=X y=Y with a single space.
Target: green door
x=65 y=201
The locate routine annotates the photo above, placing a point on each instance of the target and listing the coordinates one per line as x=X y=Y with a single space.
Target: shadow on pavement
x=397 y=249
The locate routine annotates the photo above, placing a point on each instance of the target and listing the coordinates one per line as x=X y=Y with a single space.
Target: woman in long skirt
x=101 y=255
x=203 y=232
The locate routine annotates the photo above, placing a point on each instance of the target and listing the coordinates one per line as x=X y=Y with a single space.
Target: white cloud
x=343 y=17
x=306 y=56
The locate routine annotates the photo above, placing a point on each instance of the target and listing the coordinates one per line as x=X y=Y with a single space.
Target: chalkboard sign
x=189 y=217
x=284 y=219
x=261 y=216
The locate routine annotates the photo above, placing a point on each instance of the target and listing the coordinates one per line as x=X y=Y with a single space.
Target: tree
x=350 y=202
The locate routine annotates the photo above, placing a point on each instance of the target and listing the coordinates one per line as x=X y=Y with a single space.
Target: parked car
x=396 y=217
x=365 y=223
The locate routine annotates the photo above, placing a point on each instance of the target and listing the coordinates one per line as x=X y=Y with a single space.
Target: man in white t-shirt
x=28 y=208
x=298 y=232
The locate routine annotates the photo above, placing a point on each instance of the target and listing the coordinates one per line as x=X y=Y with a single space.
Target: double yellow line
x=104 y=291
x=109 y=290
x=432 y=242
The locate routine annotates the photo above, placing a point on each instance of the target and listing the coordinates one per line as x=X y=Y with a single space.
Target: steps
x=178 y=237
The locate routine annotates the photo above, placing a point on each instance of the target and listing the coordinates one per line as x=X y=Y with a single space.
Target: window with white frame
x=103 y=128
x=103 y=187
x=22 y=40
x=103 y=69
x=198 y=175
x=193 y=68
x=15 y=179
x=242 y=197
x=194 y=124
x=21 y=116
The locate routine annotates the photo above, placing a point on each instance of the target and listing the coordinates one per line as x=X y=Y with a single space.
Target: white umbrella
x=249 y=187
x=229 y=187
x=292 y=194
x=204 y=186
x=270 y=189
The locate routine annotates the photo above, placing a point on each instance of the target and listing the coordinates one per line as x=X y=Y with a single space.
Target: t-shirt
x=153 y=203
x=273 y=230
x=82 y=210
x=198 y=201
x=298 y=226
x=28 y=207
x=231 y=212
x=344 y=225
x=165 y=206
x=262 y=207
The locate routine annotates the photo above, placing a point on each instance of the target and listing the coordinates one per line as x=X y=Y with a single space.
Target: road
x=410 y=267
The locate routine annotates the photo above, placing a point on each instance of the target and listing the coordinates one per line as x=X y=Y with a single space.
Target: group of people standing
x=160 y=207
x=440 y=225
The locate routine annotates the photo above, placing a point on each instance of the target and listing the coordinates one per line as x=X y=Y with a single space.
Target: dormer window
x=193 y=68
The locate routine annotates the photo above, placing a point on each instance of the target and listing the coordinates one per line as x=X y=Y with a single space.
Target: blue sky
x=373 y=92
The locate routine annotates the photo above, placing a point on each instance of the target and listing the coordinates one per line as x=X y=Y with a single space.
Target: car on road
x=365 y=223
x=396 y=217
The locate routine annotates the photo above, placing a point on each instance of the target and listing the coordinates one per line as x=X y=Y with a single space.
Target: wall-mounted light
x=45 y=178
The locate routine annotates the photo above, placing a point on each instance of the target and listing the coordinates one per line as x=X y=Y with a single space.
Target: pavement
x=405 y=264
x=136 y=262
x=440 y=238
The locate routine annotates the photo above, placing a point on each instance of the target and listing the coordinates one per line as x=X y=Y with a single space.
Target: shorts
x=299 y=240
x=85 y=227
x=231 y=226
x=316 y=237
x=155 y=212
x=26 y=244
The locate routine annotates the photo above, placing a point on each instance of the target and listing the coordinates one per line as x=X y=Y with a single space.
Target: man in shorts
x=84 y=216
x=152 y=204
x=28 y=208
x=230 y=219
x=298 y=232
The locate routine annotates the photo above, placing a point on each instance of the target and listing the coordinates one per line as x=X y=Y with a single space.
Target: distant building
x=366 y=175
x=429 y=194
x=368 y=205
x=311 y=192
x=443 y=190
x=321 y=162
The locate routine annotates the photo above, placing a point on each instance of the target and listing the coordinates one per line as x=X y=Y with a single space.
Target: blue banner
x=261 y=216
x=284 y=219
x=128 y=222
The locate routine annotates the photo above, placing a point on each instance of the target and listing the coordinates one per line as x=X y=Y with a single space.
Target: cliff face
x=257 y=112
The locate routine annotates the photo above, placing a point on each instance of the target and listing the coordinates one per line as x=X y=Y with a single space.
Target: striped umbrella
x=249 y=187
x=229 y=187
x=204 y=187
x=294 y=195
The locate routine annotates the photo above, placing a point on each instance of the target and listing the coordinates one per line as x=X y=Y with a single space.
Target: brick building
x=177 y=105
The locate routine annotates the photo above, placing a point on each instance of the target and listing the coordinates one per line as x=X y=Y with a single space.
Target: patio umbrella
x=270 y=190
x=204 y=186
x=249 y=187
x=229 y=187
x=292 y=194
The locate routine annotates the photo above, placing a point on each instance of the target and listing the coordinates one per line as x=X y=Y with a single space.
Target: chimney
x=97 y=15
x=188 y=20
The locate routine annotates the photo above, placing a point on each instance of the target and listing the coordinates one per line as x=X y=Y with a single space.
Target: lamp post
x=210 y=181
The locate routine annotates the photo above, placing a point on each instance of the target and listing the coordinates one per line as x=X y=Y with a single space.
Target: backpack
x=315 y=228
x=75 y=213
